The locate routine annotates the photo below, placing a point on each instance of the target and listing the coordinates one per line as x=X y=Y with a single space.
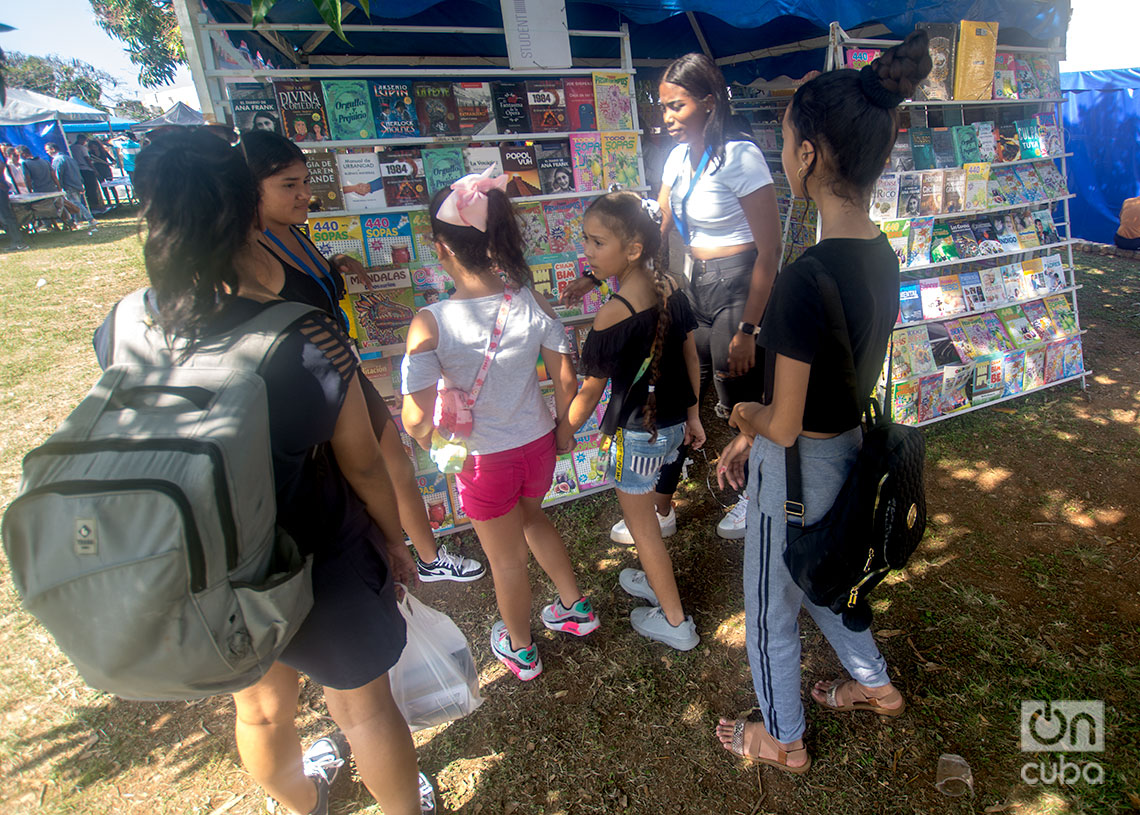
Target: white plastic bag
x=435 y=680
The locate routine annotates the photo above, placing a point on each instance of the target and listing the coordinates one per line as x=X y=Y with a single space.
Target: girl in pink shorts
x=511 y=447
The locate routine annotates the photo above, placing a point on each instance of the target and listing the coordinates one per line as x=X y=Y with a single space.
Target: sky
x=1093 y=44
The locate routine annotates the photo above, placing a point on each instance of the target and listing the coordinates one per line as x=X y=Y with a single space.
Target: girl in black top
x=838 y=133
x=305 y=276
x=208 y=274
x=642 y=342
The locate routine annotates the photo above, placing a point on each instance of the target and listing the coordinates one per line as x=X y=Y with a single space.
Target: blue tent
x=1102 y=123
x=659 y=30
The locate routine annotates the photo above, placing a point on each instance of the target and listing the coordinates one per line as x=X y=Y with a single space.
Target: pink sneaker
x=578 y=620
x=523 y=662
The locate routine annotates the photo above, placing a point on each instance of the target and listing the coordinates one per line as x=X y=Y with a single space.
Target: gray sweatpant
x=772 y=600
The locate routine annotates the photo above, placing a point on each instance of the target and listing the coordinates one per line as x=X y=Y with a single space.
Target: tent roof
x=659 y=29
x=116 y=123
x=25 y=107
x=178 y=114
x=1117 y=80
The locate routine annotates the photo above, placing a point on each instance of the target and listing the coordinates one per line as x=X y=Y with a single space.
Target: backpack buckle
x=793 y=513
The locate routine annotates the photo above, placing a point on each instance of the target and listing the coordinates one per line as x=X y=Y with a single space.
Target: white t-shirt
x=713 y=213
x=510 y=410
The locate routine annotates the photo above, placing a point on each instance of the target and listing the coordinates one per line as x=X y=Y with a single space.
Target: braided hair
x=850 y=117
x=627 y=215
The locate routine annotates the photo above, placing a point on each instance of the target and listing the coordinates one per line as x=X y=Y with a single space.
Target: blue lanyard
x=682 y=227
x=322 y=280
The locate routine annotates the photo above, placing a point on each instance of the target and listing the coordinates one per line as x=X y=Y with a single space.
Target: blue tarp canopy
x=1102 y=130
x=658 y=30
x=100 y=121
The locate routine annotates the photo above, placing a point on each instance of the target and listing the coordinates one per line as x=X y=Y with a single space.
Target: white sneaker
x=619 y=532
x=448 y=566
x=731 y=526
x=650 y=622
x=634 y=583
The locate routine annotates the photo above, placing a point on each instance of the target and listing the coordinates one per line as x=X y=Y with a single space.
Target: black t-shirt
x=616 y=353
x=300 y=287
x=37 y=175
x=307 y=377
x=866 y=272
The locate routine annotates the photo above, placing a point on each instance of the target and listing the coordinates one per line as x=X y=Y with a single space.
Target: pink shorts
x=491 y=485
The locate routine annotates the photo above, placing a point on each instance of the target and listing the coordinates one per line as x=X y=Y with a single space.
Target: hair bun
x=893 y=77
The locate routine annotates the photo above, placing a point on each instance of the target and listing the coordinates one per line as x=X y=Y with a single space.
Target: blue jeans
x=772 y=600
x=635 y=462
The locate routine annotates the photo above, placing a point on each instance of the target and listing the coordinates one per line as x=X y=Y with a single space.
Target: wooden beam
x=700 y=34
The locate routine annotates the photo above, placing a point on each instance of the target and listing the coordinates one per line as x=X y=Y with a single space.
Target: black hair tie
x=875 y=92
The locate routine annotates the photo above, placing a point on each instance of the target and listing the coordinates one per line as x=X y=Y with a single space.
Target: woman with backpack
x=838 y=133
x=209 y=275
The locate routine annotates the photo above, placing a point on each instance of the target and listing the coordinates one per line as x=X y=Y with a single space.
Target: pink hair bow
x=467 y=203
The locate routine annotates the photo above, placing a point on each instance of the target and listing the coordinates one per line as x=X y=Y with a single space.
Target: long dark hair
x=200 y=204
x=501 y=245
x=851 y=117
x=624 y=214
x=268 y=153
x=700 y=78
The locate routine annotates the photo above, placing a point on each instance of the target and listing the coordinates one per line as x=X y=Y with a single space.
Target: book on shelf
x=1012 y=373
x=405 y=192
x=977 y=184
x=885 y=201
x=1039 y=318
x=1034 y=374
x=992 y=288
x=547 y=104
x=918 y=241
x=563 y=224
x=339 y=235
x=914 y=342
x=1054 y=362
x=393 y=277
x=382 y=319
x=565 y=272
x=1005 y=76
x=939 y=83
x=542 y=275
x=460 y=516
x=986 y=237
x=987 y=146
x=302 y=107
x=902 y=158
x=956 y=380
x=443 y=166
x=589 y=464
x=555 y=174
x=953 y=301
x=436 y=108
x=910 y=303
x=586 y=161
x=996 y=332
x=1020 y=331
x=942 y=246
x=254 y=106
x=579 y=92
x=532 y=224
x=475 y=109
x=1073 y=362
x=964 y=240
x=384 y=376
x=406 y=439
x=930 y=397
x=565 y=481
x=361 y=183
x=388 y=239
x=898 y=236
x=511 y=114
x=988 y=384
x=1007 y=145
x=910 y=195
x=422 y=240
x=922 y=148
x=953 y=190
x=1030 y=182
x=612 y=102
x=520 y=164
x=393 y=111
x=1014 y=282
x=478 y=157
x=1045 y=228
x=974 y=64
x=856 y=58
x=972 y=291
x=966 y=147
x=619 y=160
x=431 y=284
x=1051 y=179
x=942 y=142
x=1029 y=138
x=349 y=108
x=400 y=162
x=1064 y=317
x=1026 y=78
x=1048 y=79
x=1049 y=133
x=1053 y=268
x=904 y=402
x=1034 y=270
x=437 y=501
x=930 y=295
x=1010 y=186
x=1026 y=229
x=324 y=181
x=969 y=337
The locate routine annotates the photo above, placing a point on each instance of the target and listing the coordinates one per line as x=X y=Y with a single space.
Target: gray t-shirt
x=510 y=410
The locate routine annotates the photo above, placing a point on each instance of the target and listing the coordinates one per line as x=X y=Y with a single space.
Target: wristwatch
x=592 y=278
x=746 y=327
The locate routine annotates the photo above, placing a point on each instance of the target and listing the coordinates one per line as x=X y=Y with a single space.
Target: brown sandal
x=872 y=704
x=780 y=762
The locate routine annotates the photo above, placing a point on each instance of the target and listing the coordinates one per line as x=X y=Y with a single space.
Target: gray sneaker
x=650 y=622
x=636 y=584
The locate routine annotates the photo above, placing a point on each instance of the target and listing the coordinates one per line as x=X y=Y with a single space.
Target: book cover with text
x=393 y=111
x=302 y=107
x=475 y=107
x=349 y=109
x=324 y=181
x=613 y=105
x=619 y=160
x=436 y=109
x=511 y=115
x=388 y=239
x=547 y=103
x=254 y=106
x=362 y=186
x=339 y=235
x=443 y=166
x=579 y=103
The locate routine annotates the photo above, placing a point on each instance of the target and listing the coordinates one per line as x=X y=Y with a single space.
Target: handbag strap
x=493 y=343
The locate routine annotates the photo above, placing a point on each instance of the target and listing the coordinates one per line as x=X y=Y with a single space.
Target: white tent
x=27 y=107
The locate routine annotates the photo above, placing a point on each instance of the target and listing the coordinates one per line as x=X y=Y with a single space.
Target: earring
x=802 y=172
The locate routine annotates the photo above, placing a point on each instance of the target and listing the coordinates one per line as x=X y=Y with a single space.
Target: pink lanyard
x=492 y=346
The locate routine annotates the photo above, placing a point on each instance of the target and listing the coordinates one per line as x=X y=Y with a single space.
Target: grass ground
x=1026 y=587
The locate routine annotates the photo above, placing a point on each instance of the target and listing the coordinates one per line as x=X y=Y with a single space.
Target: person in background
x=1128 y=236
x=282 y=176
x=67 y=173
x=14 y=171
x=90 y=179
x=838 y=133
x=102 y=159
x=37 y=172
x=127 y=154
x=8 y=218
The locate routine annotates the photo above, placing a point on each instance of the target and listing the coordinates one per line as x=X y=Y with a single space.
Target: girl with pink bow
x=479 y=349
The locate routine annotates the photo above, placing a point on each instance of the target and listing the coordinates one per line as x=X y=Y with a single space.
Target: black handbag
x=879 y=515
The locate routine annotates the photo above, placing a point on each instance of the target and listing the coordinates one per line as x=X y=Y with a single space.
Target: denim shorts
x=635 y=462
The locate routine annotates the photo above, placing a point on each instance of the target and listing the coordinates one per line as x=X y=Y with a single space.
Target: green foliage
x=329 y=10
x=150 y=31
x=134 y=109
x=55 y=76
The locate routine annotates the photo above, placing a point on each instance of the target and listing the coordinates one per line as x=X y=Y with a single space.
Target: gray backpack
x=144 y=535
